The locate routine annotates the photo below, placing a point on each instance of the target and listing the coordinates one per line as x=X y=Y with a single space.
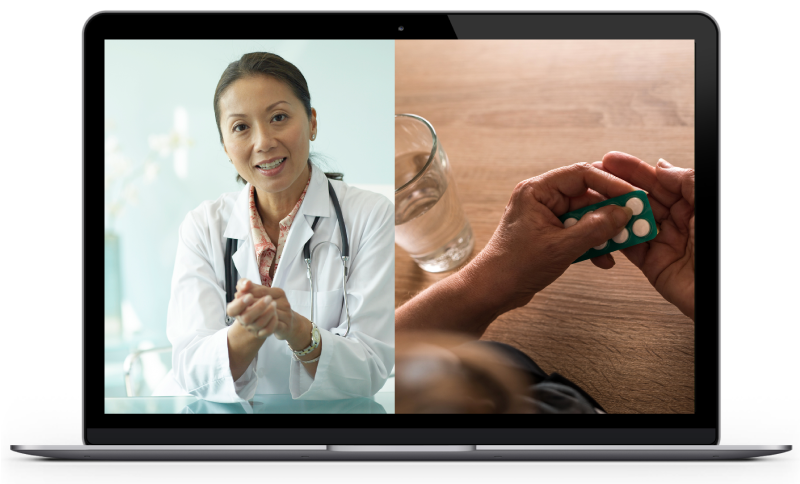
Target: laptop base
x=393 y=453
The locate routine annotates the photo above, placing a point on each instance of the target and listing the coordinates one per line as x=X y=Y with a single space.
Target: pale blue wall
x=352 y=89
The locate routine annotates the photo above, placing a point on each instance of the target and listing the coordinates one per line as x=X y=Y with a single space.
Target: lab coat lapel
x=244 y=259
x=316 y=203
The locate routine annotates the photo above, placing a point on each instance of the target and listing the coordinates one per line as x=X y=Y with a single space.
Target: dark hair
x=265 y=64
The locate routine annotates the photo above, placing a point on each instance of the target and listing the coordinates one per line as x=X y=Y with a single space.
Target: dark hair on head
x=265 y=64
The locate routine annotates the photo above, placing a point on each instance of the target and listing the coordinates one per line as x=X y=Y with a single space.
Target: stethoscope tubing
x=344 y=280
x=344 y=254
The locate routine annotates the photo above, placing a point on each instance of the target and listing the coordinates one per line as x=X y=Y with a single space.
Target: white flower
x=150 y=171
x=180 y=121
x=160 y=143
x=117 y=165
x=180 y=162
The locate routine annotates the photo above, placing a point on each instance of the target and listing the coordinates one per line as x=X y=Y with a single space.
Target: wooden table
x=510 y=110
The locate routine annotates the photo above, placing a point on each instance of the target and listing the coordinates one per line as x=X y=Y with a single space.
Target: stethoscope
x=231 y=275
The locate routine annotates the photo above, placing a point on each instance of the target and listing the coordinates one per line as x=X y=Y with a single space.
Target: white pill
x=621 y=237
x=601 y=246
x=570 y=222
x=635 y=204
x=641 y=228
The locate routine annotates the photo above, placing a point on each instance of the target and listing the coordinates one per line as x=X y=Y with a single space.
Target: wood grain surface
x=506 y=111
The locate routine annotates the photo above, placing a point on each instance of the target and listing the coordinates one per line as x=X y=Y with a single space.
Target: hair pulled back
x=264 y=64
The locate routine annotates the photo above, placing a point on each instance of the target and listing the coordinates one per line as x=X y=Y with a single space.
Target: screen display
x=532 y=253
x=618 y=328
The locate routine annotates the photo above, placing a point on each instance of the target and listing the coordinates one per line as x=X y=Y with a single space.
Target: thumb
x=597 y=227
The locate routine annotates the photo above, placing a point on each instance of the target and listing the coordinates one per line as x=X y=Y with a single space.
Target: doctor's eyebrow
x=269 y=108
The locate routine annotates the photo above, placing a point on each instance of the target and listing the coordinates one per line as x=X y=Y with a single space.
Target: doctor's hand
x=668 y=260
x=265 y=310
x=257 y=315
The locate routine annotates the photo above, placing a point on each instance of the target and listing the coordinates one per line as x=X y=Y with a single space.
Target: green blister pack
x=640 y=228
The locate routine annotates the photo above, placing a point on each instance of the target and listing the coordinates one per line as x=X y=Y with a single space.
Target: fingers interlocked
x=257 y=315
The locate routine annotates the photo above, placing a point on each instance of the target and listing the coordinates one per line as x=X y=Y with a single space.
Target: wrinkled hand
x=263 y=311
x=531 y=248
x=668 y=260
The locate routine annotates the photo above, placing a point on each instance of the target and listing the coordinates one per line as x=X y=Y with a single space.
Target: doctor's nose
x=265 y=139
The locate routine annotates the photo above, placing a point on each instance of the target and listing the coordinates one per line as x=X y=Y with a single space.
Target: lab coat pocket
x=328 y=310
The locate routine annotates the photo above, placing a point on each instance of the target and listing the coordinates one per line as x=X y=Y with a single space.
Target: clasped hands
x=265 y=311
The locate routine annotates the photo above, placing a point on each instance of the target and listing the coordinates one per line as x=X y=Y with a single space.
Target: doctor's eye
x=282 y=116
x=240 y=125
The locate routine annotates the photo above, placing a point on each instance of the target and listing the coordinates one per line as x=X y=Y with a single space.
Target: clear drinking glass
x=429 y=223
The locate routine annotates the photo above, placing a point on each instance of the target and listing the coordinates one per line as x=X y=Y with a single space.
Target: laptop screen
x=534 y=252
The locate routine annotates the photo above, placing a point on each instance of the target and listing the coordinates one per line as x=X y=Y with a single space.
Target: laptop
x=368 y=428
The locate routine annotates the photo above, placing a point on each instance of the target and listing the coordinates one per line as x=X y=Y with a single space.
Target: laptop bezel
x=698 y=428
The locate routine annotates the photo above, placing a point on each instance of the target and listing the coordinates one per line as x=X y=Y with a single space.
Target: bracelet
x=307 y=361
x=315 y=340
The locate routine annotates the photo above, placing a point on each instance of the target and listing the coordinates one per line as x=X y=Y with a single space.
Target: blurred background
x=164 y=157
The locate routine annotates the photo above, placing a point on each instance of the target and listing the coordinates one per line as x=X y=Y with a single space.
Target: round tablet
x=641 y=228
x=601 y=246
x=570 y=222
x=635 y=204
x=621 y=237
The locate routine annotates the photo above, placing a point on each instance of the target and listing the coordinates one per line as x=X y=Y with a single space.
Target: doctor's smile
x=267 y=123
x=271 y=168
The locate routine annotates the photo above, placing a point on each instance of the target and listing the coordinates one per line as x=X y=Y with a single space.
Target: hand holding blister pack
x=640 y=228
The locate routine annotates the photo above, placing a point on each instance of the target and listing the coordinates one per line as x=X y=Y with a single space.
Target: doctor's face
x=266 y=132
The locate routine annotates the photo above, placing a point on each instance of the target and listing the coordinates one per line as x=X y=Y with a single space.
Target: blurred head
x=265 y=120
x=442 y=373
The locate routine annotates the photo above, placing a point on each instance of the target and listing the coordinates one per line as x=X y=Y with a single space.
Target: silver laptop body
x=466 y=445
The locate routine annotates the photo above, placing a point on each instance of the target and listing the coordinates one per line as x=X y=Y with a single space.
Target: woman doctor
x=266 y=123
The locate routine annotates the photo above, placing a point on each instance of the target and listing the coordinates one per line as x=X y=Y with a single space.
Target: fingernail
x=248 y=299
x=664 y=163
x=267 y=300
x=621 y=217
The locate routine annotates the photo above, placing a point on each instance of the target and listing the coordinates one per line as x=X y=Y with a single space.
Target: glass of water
x=429 y=223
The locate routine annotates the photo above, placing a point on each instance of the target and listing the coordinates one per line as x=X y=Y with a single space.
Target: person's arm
x=529 y=250
x=467 y=301
x=244 y=343
x=196 y=321
x=262 y=311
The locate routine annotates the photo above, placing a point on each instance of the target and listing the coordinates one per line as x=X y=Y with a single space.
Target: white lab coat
x=355 y=366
